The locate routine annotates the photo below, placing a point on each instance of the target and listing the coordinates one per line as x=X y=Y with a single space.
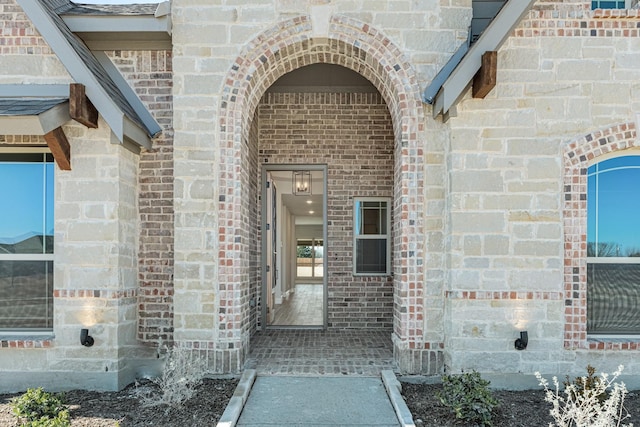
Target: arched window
x=613 y=246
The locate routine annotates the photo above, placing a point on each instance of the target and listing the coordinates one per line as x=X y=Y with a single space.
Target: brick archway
x=578 y=156
x=367 y=51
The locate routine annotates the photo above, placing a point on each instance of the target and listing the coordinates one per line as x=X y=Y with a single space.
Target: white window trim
x=357 y=236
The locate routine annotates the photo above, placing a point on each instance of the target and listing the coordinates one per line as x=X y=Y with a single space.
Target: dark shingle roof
x=27 y=106
x=112 y=9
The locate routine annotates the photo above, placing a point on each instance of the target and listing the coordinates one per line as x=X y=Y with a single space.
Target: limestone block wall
x=568 y=76
x=98 y=229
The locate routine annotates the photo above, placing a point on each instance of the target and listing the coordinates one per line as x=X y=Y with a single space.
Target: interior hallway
x=302 y=308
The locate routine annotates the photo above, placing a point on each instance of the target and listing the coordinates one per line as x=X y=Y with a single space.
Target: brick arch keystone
x=362 y=48
x=578 y=155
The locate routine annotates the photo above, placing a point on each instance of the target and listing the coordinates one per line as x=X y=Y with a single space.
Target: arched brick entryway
x=363 y=49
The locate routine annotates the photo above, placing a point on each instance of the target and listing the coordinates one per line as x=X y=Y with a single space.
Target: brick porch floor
x=316 y=352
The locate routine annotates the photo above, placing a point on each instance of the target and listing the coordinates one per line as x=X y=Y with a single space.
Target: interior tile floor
x=302 y=308
x=321 y=352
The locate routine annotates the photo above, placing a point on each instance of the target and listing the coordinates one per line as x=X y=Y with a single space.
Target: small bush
x=38 y=408
x=587 y=385
x=583 y=403
x=469 y=398
x=183 y=372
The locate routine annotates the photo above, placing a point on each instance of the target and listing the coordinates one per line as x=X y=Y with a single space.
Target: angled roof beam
x=485 y=79
x=59 y=146
x=456 y=83
x=80 y=107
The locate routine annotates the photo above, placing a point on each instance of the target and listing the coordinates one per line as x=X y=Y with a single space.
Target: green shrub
x=469 y=398
x=38 y=408
x=587 y=385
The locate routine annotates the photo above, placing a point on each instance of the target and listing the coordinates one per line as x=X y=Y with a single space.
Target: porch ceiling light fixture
x=301 y=183
x=85 y=339
x=521 y=343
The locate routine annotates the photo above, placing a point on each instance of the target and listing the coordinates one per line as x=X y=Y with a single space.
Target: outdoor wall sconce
x=521 y=343
x=85 y=339
x=301 y=183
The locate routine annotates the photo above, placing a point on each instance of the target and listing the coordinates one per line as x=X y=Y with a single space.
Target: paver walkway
x=318 y=401
x=317 y=352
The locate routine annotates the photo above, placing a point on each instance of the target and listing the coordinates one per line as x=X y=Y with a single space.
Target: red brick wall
x=353 y=135
x=150 y=75
x=17 y=35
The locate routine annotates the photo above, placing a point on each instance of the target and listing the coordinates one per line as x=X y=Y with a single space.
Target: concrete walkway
x=317 y=401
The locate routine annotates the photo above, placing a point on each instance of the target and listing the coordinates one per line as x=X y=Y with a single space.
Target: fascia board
x=54 y=117
x=39 y=124
x=149 y=122
x=34 y=91
x=491 y=39
x=134 y=133
x=74 y=65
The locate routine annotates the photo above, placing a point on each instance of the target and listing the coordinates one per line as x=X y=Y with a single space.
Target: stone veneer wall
x=567 y=92
x=352 y=134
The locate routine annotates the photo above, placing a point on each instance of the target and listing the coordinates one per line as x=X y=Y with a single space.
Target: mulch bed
x=516 y=408
x=123 y=408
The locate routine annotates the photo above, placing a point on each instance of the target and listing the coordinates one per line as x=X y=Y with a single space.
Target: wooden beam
x=80 y=107
x=485 y=78
x=59 y=146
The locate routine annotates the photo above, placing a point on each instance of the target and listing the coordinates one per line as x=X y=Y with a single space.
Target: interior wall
x=353 y=134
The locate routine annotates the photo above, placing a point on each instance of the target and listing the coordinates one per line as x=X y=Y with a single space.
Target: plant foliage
x=586 y=402
x=38 y=408
x=183 y=372
x=469 y=397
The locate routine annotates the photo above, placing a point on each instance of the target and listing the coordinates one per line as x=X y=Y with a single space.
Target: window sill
x=26 y=341
x=629 y=342
x=616 y=13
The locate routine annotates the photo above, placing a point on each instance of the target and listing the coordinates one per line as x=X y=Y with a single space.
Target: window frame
x=628 y=4
x=44 y=256
x=386 y=236
x=604 y=259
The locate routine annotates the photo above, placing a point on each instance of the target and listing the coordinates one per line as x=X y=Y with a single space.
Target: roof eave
x=152 y=126
x=39 y=124
x=491 y=39
x=79 y=71
x=122 y=32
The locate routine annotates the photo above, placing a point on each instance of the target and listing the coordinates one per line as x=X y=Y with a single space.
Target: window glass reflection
x=613 y=206
x=26 y=219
